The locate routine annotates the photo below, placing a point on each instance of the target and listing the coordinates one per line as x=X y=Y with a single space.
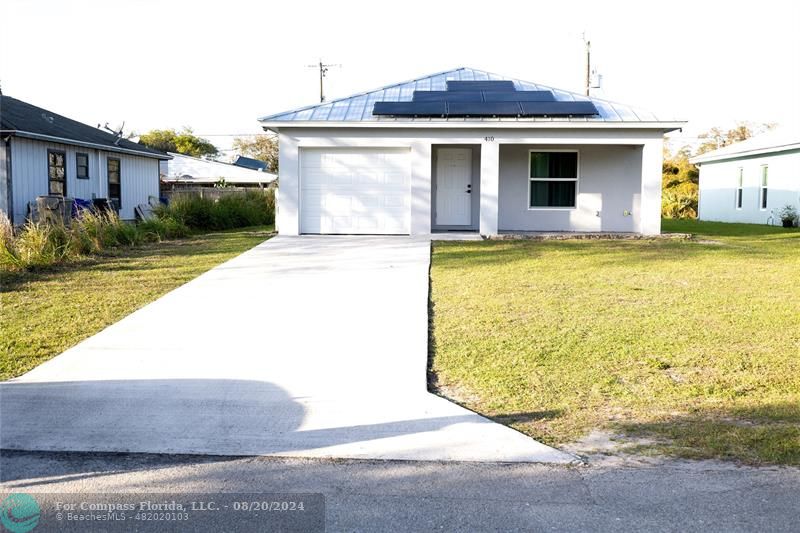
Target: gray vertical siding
x=139 y=175
x=4 y=183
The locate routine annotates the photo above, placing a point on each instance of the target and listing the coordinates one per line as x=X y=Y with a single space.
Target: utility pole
x=323 y=71
x=588 y=63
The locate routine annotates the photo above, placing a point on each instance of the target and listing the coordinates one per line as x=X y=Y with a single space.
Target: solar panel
x=557 y=109
x=447 y=96
x=484 y=109
x=484 y=99
x=410 y=109
x=491 y=85
x=518 y=96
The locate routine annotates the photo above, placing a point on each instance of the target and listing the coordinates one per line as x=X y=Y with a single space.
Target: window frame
x=108 y=181
x=78 y=167
x=739 y=197
x=763 y=188
x=63 y=154
x=577 y=178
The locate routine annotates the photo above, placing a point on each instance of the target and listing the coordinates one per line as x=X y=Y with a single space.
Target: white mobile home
x=43 y=153
x=467 y=150
x=750 y=180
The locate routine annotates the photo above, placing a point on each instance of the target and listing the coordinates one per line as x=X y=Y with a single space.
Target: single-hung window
x=740 y=188
x=764 y=180
x=56 y=173
x=82 y=165
x=114 y=182
x=553 y=180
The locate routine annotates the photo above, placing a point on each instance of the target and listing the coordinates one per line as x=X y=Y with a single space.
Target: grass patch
x=47 y=311
x=695 y=344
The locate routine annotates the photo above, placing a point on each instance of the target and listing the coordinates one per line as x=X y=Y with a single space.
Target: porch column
x=650 y=205
x=421 y=188
x=490 y=187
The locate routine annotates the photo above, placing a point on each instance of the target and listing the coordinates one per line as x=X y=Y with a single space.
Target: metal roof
x=358 y=108
x=780 y=139
x=27 y=120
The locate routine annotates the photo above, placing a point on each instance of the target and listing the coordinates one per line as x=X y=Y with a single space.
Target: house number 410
x=489 y=139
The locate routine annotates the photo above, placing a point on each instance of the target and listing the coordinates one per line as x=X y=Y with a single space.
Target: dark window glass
x=553 y=179
x=739 y=198
x=56 y=173
x=82 y=165
x=114 y=183
x=559 y=165
x=553 y=194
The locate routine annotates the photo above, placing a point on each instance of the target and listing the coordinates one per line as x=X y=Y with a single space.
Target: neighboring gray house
x=183 y=170
x=43 y=153
x=748 y=180
x=471 y=151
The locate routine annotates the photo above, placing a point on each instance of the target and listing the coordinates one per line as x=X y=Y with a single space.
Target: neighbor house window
x=764 y=178
x=56 y=173
x=553 y=179
x=114 y=183
x=82 y=165
x=739 y=188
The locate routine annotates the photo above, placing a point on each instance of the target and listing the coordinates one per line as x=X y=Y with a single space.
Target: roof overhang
x=63 y=140
x=483 y=124
x=711 y=158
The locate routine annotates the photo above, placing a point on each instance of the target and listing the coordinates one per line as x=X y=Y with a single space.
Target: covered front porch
x=494 y=188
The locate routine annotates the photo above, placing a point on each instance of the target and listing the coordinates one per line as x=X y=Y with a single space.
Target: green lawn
x=44 y=313
x=694 y=344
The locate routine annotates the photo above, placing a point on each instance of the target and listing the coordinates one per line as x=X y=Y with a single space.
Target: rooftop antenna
x=118 y=134
x=588 y=62
x=323 y=71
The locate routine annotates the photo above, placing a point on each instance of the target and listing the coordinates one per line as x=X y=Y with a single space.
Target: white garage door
x=355 y=190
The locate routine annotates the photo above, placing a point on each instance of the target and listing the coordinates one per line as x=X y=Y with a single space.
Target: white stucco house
x=468 y=150
x=749 y=180
x=43 y=153
x=185 y=170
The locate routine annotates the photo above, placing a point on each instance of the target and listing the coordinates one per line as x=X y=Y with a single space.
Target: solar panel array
x=494 y=98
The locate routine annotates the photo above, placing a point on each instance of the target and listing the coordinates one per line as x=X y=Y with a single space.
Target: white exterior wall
x=719 y=180
x=643 y=146
x=139 y=175
x=609 y=183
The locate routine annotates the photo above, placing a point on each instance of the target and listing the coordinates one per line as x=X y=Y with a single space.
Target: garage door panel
x=361 y=190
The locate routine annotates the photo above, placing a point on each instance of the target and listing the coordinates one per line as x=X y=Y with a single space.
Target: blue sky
x=217 y=66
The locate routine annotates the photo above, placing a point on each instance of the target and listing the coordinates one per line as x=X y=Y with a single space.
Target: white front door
x=454 y=187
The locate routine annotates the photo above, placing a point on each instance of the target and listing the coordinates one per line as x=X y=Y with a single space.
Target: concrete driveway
x=302 y=346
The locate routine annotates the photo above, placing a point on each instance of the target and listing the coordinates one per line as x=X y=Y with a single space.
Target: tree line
x=261 y=147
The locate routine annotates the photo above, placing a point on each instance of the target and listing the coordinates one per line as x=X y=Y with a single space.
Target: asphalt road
x=430 y=496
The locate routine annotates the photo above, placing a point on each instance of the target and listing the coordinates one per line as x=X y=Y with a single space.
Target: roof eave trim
x=64 y=140
x=550 y=124
x=745 y=153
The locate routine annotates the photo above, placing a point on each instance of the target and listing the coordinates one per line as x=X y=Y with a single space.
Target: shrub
x=253 y=208
x=157 y=229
